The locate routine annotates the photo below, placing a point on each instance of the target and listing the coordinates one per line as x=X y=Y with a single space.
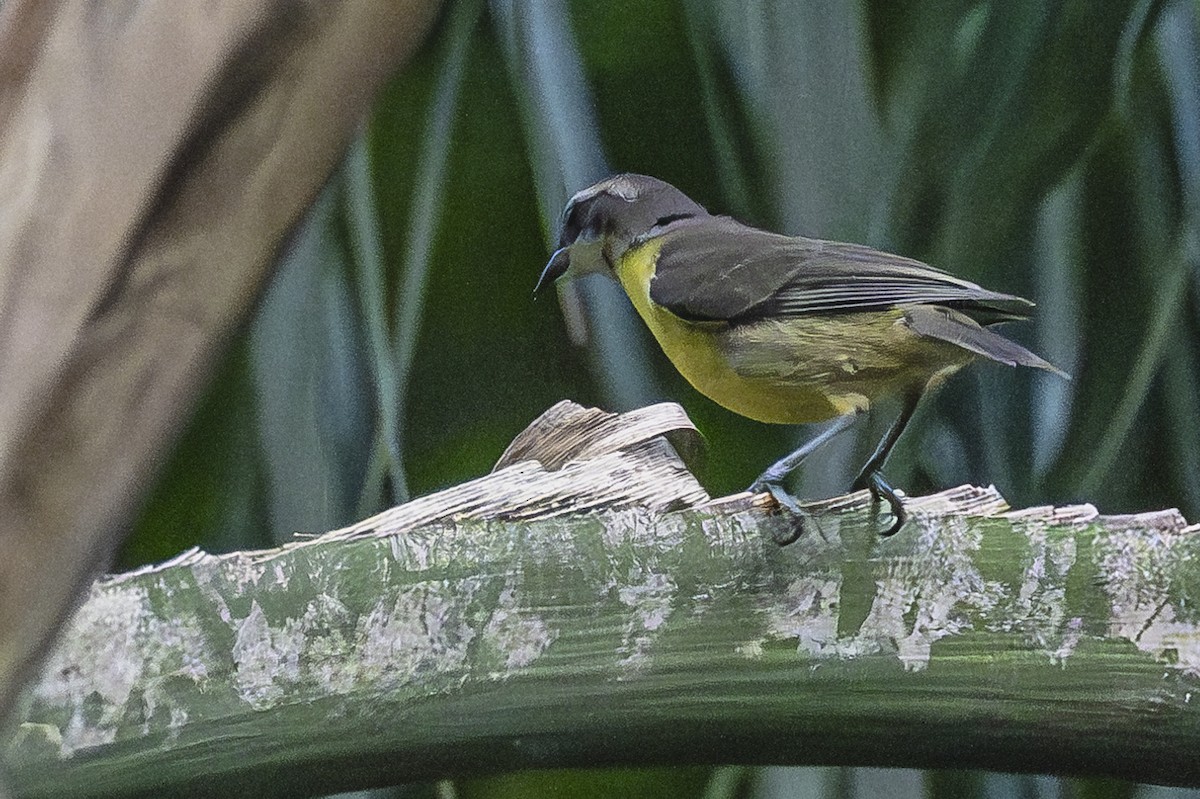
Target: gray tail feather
x=958 y=328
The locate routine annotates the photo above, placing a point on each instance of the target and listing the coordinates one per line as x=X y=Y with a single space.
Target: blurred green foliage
x=1045 y=147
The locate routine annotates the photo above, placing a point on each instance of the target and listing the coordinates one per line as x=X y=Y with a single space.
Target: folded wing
x=718 y=269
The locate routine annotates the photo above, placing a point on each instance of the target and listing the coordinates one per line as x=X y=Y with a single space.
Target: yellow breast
x=700 y=354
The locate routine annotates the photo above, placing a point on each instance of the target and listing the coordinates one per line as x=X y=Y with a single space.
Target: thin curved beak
x=556 y=268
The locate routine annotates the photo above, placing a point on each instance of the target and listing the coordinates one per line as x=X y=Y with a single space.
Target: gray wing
x=716 y=269
x=958 y=328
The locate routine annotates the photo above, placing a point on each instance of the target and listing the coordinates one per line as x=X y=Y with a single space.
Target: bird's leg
x=871 y=477
x=789 y=463
x=771 y=480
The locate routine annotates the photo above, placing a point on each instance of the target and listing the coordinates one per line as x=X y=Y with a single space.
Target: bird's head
x=603 y=220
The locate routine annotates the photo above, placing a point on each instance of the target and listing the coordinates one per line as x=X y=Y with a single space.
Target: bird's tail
x=957 y=328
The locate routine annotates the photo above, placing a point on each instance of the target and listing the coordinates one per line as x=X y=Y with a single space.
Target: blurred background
x=1049 y=148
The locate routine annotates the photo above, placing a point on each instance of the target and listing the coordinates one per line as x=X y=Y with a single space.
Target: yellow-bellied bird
x=784 y=329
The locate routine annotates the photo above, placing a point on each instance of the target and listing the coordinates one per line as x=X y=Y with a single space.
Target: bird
x=785 y=329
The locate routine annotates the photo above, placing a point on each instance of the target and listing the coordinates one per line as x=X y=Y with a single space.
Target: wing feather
x=717 y=269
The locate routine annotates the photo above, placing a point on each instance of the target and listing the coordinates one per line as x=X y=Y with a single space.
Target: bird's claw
x=881 y=489
x=788 y=503
x=875 y=482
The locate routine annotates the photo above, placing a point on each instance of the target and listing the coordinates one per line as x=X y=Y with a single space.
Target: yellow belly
x=789 y=371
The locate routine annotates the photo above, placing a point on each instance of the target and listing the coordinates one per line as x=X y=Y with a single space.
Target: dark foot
x=788 y=503
x=881 y=489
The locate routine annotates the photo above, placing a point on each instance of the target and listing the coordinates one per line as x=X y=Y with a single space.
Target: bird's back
x=717 y=269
